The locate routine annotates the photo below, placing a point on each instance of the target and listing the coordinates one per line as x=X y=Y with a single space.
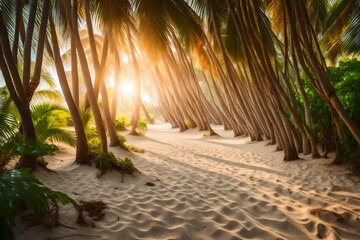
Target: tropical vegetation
x=270 y=70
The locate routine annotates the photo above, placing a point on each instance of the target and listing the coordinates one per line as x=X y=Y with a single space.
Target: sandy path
x=208 y=188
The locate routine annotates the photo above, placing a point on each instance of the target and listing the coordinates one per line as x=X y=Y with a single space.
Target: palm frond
x=232 y=42
x=45 y=110
x=154 y=26
x=8 y=116
x=86 y=116
x=47 y=78
x=50 y=125
x=342 y=32
x=318 y=12
x=186 y=22
x=45 y=95
x=62 y=136
x=8 y=126
x=8 y=9
x=111 y=14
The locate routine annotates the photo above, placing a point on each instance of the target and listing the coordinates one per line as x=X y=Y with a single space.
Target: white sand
x=208 y=188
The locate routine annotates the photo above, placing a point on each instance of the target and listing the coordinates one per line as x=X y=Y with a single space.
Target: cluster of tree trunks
x=250 y=69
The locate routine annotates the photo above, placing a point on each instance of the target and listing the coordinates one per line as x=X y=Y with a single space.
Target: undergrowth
x=108 y=161
x=20 y=190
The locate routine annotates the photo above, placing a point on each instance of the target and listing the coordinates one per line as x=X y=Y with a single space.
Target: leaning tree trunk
x=88 y=84
x=82 y=149
x=17 y=93
x=115 y=96
x=18 y=19
x=136 y=113
x=28 y=42
x=99 y=77
x=315 y=61
x=75 y=72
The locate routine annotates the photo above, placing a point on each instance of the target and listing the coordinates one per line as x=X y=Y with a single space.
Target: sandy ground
x=206 y=188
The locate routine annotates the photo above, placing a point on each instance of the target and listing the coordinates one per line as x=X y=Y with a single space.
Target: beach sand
x=216 y=187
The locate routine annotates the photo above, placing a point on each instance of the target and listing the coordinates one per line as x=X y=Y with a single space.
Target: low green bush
x=19 y=189
x=108 y=161
x=121 y=123
x=188 y=123
x=152 y=118
x=93 y=139
x=18 y=146
x=142 y=126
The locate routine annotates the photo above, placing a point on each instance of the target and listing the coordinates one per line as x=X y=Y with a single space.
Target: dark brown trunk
x=82 y=149
x=27 y=44
x=89 y=87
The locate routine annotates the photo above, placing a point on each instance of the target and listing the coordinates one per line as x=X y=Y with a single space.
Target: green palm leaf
x=111 y=14
x=61 y=135
x=45 y=95
x=50 y=122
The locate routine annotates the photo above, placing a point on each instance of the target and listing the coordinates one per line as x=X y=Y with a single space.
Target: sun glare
x=125 y=58
x=128 y=88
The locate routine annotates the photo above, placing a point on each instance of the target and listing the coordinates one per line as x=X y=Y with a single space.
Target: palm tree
x=304 y=37
x=49 y=121
x=341 y=31
x=15 y=86
x=82 y=149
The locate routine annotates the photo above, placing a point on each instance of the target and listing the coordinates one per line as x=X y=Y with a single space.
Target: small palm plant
x=8 y=116
x=8 y=127
x=18 y=190
x=50 y=121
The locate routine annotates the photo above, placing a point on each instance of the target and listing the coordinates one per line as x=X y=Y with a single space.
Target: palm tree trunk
x=74 y=73
x=35 y=80
x=18 y=20
x=316 y=62
x=136 y=113
x=115 y=96
x=28 y=42
x=88 y=84
x=82 y=149
x=13 y=82
x=99 y=77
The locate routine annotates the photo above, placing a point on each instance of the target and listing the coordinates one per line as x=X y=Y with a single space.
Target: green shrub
x=188 y=123
x=32 y=148
x=50 y=122
x=142 y=126
x=93 y=140
x=133 y=148
x=128 y=166
x=346 y=81
x=105 y=161
x=6 y=153
x=19 y=188
x=108 y=161
x=152 y=118
x=121 y=123
x=18 y=146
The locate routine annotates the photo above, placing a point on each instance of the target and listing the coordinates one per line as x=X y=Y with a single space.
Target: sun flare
x=128 y=88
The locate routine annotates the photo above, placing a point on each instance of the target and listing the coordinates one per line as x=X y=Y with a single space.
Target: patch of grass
x=206 y=134
x=93 y=140
x=188 y=123
x=152 y=118
x=108 y=161
x=133 y=148
x=20 y=190
x=142 y=126
x=121 y=123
